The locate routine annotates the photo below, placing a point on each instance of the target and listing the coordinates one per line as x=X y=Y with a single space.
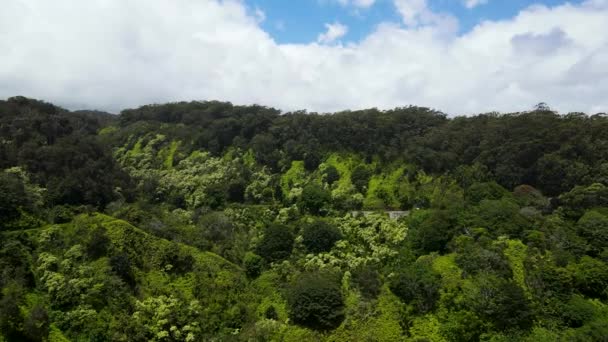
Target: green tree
x=315 y=301
x=500 y=301
x=254 y=264
x=590 y=277
x=360 y=178
x=320 y=236
x=331 y=174
x=98 y=243
x=36 y=325
x=484 y=191
x=430 y=231
x=418 y=285
x=276 y=244
x=593 y=226
x=315 y=199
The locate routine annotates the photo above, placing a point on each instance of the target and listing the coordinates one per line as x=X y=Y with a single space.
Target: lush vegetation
x=205 y=221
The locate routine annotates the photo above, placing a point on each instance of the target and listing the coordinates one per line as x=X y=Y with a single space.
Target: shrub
x=360 y=178
x=98 y=243
x=253 y=264
x=36 y=326
x=367 y=279
x=331 y=174
x=315 y=301
x=501 y=302
x=276 y=244
x=418 y=285
x=480 y=191
x=320 y=236
x=314 y=199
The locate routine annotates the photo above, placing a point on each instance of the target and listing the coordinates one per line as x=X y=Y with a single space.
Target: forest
x=208 y=221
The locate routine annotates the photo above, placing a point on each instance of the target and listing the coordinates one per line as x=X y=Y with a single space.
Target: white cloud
x=357 y=3
x=334 y=31
x=112 y=54
x=417 y=13
x=474 y=3
x=259 y=15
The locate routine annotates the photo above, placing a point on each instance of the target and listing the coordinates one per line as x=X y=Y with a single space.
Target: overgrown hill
x=100 y=278
x=206 y=221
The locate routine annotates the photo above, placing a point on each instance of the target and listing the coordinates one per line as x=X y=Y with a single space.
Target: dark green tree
x=331 y=174
x=320 y=236
x=315 y=199
x=418 y=285
x=315 y=301
x=276 y=244
x=360 y=178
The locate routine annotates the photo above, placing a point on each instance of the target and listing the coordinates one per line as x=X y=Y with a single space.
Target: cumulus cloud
x=417 y=13
x=474 y=3
x=112 y=54
x=541 y=44
x=334 y=31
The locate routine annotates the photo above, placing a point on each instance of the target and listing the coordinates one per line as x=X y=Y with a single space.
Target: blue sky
x=301 y=21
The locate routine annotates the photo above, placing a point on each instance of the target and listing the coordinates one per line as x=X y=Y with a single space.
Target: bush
x=578 y=311
x=121 y=266
x=254 y=264
x=36 y=326
x=177 y=260
x=315 y=301
x=271 y=313
x=12 y=196
x=501 y=302
x=591 y=277
x=276 y=244
x=593 y=226
x=418 y=285
x=480 y=191
x=367 y=280
x=315 y=199
x=98 y=243
x=61 y=214
x=360 y=178
x=320 y=236
x=331 y=174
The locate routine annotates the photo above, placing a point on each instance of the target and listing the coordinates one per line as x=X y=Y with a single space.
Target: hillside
x=206 y=221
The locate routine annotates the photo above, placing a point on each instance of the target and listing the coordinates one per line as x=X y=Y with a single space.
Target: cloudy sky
x=458 y=56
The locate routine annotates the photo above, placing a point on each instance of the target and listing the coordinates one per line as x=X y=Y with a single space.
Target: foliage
x=276 y=243
x=315 y=301
x=200 y=221
x=315 y=199
x=319 y=236
x=418 y=285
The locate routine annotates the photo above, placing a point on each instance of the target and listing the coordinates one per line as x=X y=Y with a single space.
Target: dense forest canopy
x=207 y=221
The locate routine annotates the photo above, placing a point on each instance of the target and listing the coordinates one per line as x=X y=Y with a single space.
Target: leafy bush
x=98 y=243
x=488 y=191
x=36 y=325
x=276 y=244
x=315 y=301
x=331 y=174
x=320 y=236
x=360 y=178
x=593 y=226
x=253 y=264
x=366 y=279
x=315 y=199
x=499 y=301
x=417 y=284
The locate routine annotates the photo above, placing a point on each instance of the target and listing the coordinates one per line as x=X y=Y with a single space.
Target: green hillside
x=206 y=221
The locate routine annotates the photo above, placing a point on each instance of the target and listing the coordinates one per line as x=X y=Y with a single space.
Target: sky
x=458 y=56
